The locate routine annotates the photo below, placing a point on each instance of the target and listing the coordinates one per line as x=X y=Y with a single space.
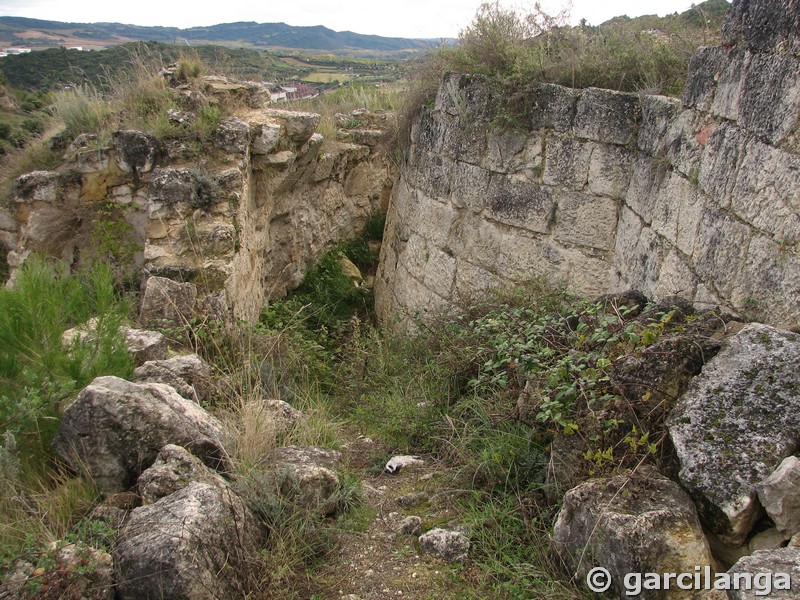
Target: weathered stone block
x=165 y=300
x=738 y=420
x=721 y=243
x=638 y=255
x=567 y=162
x=439 y=272
x=770 y=103
x=306 y=475
x=779 y=494
x=648 y=175
x=585 y=220
x=37 y=186
x=724 y=151
x=767 y=190
x=607 y=116
x=705 y=69
x=779 y=569
x=232 y=135
x=265 y=138
x=464 y=140
x=521 y=204
x=136 y=152
x=683 y=148
x=730 y=87
x=452 y=546
x=767 y=284
x=633 y=523
x=676 y=211
x=469 y=186
x=298 y=126
x=199 y=542
x=657 y=113
x=552 y=106
x=610 y=169
x=764 y=26
x=114 y=429
x=466 y=96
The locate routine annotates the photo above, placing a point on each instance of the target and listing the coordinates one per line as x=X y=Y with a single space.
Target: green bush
x=36 y=372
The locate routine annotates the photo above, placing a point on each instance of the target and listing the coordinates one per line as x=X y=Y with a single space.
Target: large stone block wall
x=607 y=191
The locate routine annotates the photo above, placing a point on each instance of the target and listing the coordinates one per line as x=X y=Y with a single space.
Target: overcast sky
x=400 y=18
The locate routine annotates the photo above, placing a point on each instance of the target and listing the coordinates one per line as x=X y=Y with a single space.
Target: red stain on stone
x=704 y=133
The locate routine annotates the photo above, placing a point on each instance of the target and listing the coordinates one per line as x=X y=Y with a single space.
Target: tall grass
x=39 y=503
x=36 y=372
x=82 y=110
x=346 y=99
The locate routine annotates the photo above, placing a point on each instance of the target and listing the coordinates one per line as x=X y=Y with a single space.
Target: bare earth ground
x=382 y=563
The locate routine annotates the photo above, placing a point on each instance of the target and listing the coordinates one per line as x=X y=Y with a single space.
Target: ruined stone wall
x=243 y=218
x=610 y=191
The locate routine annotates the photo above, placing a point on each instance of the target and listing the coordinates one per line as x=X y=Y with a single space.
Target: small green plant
x=206 y=191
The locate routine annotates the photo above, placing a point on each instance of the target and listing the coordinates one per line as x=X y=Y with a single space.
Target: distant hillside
x=42 y=34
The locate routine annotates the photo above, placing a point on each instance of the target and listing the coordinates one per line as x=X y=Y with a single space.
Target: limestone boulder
x=174 y=469
x=37 y=186
x=199 y=542
x=143 y=345
x=167 y=302
x=775 y=574
x=232 y=135
x=450 y=545
x=136 y=152
x=779 y=494
x=306 y=475
x=298 y=126
x=189 y=374
x=168 y=187
x=114 y=430
x=736 y=423
x=639 y=522
x=265 y=138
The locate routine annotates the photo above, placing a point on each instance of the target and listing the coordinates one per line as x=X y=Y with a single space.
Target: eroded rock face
x=630 y=523
x=136 y=152
x=779 y=494
x=187 y=373
x=167 y=302
x=174 y=469
x=198 y=542
x=114 y=430
x=785 y=561
x=764 y=26
x=736 y=423
x=306 y=475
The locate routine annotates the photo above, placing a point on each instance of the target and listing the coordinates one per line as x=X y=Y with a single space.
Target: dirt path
x=382 y=562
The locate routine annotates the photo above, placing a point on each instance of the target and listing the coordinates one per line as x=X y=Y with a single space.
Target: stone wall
x=610 y=191
x=242 y=217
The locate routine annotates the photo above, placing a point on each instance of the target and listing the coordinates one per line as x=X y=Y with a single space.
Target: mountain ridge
x=24 y=30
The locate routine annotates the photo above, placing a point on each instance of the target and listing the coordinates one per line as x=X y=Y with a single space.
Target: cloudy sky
x=401 y=18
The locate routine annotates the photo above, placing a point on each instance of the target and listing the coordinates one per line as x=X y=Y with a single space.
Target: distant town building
x=16 y=50
x=78 y=48
x=297 y=91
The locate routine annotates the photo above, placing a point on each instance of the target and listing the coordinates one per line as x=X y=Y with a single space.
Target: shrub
x=36 y=374
x=82 y=110
x=517 y=50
